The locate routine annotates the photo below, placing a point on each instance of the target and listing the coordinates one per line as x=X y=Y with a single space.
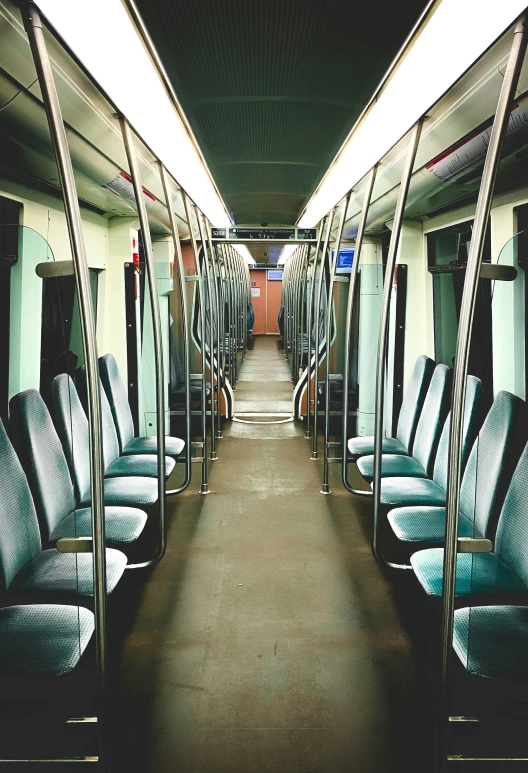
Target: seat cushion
x=493 y=641
x=123 y=525
x=479 y=574
x=149 y=445
x=130 y=492
x=422 y=525
x=392 y=465
x=66 y=574
x=411 y=491
x=364 y=446
x=142 y=465
x=43 y=639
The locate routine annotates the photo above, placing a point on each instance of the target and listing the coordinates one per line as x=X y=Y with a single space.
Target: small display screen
x=344 y=259
x=218 y=233
x=262 y=233
x=275 y=275
x=306 y=233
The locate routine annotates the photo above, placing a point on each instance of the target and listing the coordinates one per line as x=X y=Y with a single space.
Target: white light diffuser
x=243 y=250
x=102 y=36
x=455 y=36
x=287 y=252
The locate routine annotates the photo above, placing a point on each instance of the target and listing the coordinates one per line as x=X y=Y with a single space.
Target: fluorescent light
x=287 y=252
x=455 y=36
x=105 y=40
x=243 y=250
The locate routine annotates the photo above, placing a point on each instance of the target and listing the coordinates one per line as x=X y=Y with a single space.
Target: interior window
x=9 y=241
x=447 y=255
x=61 y=340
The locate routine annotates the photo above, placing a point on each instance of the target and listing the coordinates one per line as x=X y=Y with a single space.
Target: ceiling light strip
x=420 y=76
x=107 y=44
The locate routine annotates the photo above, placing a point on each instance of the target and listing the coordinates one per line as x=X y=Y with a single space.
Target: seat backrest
x=511 y=542
x=118 y=399
x=19 y=529
x=492 y=460
x=110 y=441
x=470 y=428
x=42 y=456
x=432 y=417
x=72 y=428
x=413 y=400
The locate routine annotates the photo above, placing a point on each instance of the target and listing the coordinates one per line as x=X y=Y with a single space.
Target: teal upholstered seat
x=478 y=574
x=116 y=466
x=72 y=427
x=400 y=492
x=489 y=469
x=27 y=570
x=428 y=431
x=122 y=415
x=413 y=401
x=503 y=573
x=392 y=466
x=45 y=465
x=492 y=641
x=43 y=640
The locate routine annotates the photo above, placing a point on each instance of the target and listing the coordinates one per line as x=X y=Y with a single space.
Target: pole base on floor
x=325 y=489
x=307 y=435
x=219 y=437
x=204 y=489
x=213 y=458
x=314 y=457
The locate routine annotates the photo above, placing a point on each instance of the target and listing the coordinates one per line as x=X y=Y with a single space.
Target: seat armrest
x=474 y=545
x=74 y=545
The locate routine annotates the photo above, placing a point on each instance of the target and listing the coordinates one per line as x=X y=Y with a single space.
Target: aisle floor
x=267 y=639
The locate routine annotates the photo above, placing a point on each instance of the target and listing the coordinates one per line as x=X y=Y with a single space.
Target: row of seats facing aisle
x=45 y=496
x=491 y=592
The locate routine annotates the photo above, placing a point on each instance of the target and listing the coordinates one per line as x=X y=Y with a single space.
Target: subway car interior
x=263 y=382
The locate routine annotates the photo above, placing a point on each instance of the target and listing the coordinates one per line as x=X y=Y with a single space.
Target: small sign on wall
x=253 y=284
x=255 y=292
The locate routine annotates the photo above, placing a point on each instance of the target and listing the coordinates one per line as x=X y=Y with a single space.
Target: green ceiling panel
x=271 y=89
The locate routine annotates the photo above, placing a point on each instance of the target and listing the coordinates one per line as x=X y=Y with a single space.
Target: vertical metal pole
x=384 y=326
x=216 y=285
x=310 y=302
x=185 y=317
x=212 y=370
x=467 y=311
x=204 y=489
x=318 y=296
x=33 y=25
x=328 y=344
x=302 y=302
x=156 y=331
x=348 y=331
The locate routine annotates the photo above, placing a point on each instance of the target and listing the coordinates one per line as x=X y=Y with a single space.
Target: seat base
x=364 y=446
x=479 y=575
x=149 y=445
x=123 y=525
x=66 y=575
x=492 y=642
x=43 y=639
x=138 y=465
x=416 y=526
x=392 y=466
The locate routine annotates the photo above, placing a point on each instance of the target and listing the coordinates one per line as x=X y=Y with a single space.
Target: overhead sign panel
x=248 y=234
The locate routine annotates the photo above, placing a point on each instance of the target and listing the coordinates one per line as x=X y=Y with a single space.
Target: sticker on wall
x=253 y=284
x=122 y=184
x=255 y=292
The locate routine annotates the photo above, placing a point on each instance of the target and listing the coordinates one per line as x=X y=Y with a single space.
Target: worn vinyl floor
x=267 y=639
